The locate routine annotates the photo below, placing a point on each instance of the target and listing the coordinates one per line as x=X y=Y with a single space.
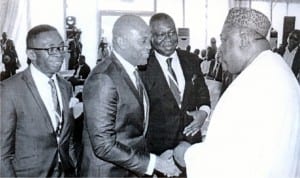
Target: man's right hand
x=167 y=166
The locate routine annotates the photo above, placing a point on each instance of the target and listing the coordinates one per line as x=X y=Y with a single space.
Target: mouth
x=57 y=64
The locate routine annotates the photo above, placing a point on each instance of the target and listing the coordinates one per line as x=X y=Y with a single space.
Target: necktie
x=58 y=114
x=173 y=82
x=139 y=85
x=145 y=101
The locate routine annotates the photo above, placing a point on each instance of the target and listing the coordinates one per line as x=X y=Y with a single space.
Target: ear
x=121 y=42
x=31 y=54
x=245 y=39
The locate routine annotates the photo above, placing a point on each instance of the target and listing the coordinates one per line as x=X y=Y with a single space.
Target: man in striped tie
x=179 y=98
x=36 y=121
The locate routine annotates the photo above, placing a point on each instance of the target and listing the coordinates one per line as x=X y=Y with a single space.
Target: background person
x=291 y=52
x=9 y=55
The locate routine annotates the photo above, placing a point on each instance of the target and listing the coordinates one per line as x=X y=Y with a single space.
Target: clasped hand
x=166 y=165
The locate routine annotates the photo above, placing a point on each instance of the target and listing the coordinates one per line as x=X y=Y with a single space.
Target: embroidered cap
x=248 y=18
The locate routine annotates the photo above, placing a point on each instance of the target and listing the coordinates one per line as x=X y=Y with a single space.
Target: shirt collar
x=294 y=50
x=162 y=59
x=129 y=68
x=40 y=76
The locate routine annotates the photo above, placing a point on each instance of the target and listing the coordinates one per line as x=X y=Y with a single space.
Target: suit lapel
x=146 y=111
x=32 y=88
x=160 y=80
x=65 y=101
x=187 y=72
x=296 y=62
x=126 y=78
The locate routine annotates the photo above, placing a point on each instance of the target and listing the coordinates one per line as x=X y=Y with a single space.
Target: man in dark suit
x=81 y=72
x=179 y=98
x=116 y=109
x=36 y=121
x=291 y=52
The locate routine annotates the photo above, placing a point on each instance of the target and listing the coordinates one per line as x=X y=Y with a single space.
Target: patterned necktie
x=173 y=81
x=139 y=85
x=58 y=114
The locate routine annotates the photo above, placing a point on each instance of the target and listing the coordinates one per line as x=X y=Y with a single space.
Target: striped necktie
x=139 y=85
x=173 y=82
x=58 y=113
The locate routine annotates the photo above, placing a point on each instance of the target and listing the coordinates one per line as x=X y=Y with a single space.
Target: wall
x=279 y=11
x=205 y=18
x=30 y=13
x=87 y=21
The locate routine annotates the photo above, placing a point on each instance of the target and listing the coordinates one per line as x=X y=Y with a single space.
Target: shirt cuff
x=206 y=109
x=151 y=164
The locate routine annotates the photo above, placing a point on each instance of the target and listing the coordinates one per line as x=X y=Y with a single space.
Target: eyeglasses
x=165 y=34
x=54 y=50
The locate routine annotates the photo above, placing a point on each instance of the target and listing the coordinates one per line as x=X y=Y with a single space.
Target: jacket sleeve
x=72 y=148
x=201 y=87
x=7 y=133
x=100 y=107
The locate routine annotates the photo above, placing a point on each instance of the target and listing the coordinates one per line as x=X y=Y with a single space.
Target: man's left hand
x=195 y=126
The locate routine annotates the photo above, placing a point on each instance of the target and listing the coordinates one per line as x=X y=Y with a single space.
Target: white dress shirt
x=289 y=56
x=176 y=66
x=44 y=89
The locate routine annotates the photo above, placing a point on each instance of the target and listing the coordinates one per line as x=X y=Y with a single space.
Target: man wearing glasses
x=36 y=123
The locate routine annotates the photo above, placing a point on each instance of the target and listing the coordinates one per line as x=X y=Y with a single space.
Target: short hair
x=82 y=57
x=37 y=30
x=295 y=32
x=160 y=17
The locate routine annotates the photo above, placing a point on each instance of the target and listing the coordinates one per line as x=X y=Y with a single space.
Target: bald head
x=131 y=39
x=126 y=24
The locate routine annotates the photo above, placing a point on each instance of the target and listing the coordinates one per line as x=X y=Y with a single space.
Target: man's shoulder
x=103 y=66
x=188 y=56
x=14 y=81
x=86 y=66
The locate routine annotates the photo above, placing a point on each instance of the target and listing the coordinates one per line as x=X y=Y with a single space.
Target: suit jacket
x=166 y=119
x=114 y=126
x=296 y=62
x=84 y=71
x=28 y=141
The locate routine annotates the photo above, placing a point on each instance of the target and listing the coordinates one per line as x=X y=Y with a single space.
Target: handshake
x=166 y=162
